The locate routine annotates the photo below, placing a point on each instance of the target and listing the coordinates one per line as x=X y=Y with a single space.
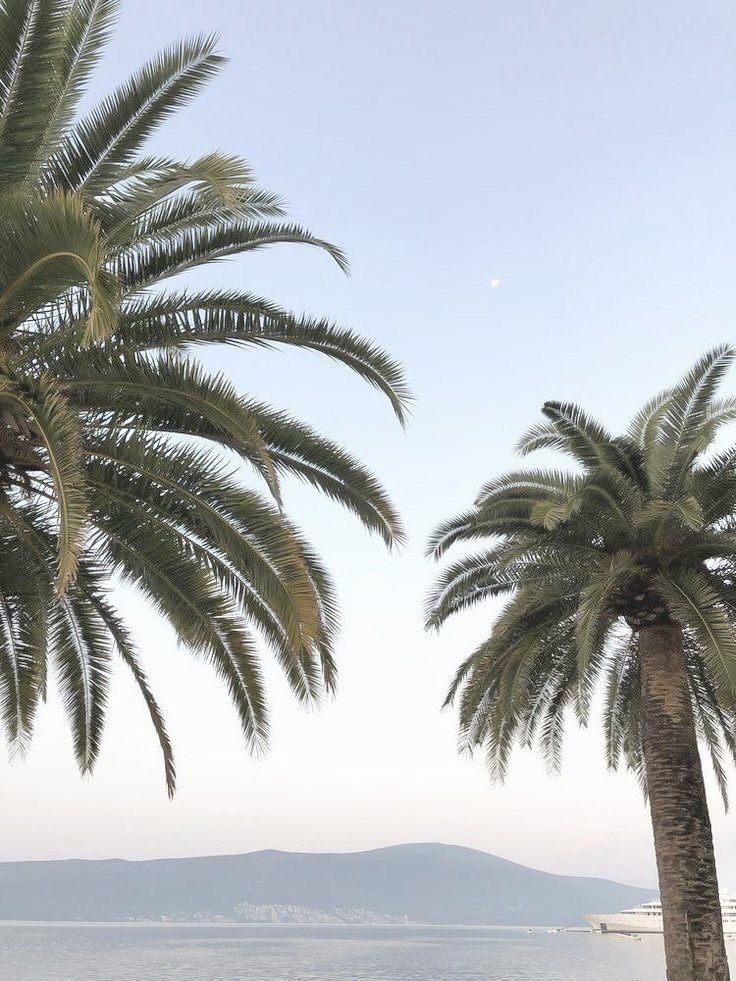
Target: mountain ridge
x=427 y=882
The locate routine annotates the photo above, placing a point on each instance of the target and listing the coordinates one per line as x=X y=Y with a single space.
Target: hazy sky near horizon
x=583 y=153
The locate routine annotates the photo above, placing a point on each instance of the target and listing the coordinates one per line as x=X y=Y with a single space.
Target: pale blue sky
x=584 y=153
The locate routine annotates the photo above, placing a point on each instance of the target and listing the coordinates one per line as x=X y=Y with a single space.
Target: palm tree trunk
x=683 y=843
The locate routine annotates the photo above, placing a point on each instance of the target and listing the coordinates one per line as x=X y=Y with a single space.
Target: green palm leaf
x=642 y=534
x=57 y=428
x=121 y=456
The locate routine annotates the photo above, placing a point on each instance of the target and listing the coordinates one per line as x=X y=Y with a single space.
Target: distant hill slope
x=428 y=883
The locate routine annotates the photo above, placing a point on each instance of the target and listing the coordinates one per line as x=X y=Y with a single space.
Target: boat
x=647 y=918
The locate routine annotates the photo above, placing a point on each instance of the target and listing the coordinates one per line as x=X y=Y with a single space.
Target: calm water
x=90 y=952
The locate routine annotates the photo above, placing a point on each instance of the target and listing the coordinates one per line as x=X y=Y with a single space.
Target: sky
x=582 y=153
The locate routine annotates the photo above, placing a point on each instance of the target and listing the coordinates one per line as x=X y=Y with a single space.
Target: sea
x=234 y=952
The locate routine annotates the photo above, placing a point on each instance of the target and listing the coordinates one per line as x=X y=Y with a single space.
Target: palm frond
x=115 y=131
x=640 y=535
x=126 y=650
x=58 y=430
x=121 y=456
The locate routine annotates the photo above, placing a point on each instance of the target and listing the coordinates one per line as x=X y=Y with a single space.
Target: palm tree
x=621 y=573
x=121 y=457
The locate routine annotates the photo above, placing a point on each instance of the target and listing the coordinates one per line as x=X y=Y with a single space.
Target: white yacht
x=647 y=918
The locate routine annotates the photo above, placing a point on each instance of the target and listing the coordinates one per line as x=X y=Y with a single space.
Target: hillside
x=429 y=883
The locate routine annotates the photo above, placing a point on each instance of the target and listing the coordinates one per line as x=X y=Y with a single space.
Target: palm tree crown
x=641 y=533
x=120 y=455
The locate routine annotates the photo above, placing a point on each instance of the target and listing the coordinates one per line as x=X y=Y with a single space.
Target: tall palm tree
x=621 y=572
x=121 y=457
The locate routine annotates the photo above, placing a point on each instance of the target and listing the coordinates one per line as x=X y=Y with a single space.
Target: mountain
x=428 y=883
